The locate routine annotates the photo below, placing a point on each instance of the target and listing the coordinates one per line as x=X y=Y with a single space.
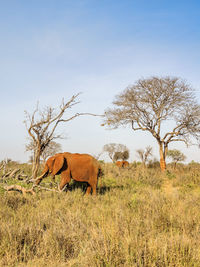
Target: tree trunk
x=36 y=163
x=144 y=164
x=175 y=163
x=162 y=157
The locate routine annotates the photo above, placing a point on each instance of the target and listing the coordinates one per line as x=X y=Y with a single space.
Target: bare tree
x=144 y=154
x=41 y=126
x=176 y=156
x=165 y=107
x=112 y=148
x=51 y=149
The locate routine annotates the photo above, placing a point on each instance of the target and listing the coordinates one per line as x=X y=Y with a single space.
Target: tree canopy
x=166 y=107
x=116 y=151
x=176 y=156
x=121 y=155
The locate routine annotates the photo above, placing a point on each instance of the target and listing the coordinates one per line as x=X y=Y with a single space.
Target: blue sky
x=54 y=49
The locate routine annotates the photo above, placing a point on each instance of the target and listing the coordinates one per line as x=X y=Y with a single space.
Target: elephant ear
x=49 y=164
x=58 y=164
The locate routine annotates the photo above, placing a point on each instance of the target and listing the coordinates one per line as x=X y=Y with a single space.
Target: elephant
x=122 y=164
x=119 y=163
x=79 y=167
x=125 y=164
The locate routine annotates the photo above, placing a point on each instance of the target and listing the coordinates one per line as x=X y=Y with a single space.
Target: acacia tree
x=121 y=155
x=176 y=156
x=42 y=125
x=112 y=148
x=165 y=107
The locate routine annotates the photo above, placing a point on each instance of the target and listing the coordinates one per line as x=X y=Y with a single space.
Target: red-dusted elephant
x=122 y=164
x=80 y=167
x=119 y=163
x=125 y=164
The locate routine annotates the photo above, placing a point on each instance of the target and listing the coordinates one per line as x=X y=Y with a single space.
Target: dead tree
x=50 y=150
x=41 y=126
x=165 y=107
x=144 y=154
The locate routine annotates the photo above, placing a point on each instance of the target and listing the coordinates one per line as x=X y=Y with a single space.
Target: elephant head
x=52 y=166
x=55 y=163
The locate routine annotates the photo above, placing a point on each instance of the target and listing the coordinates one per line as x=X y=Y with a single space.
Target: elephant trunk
x=38 y=180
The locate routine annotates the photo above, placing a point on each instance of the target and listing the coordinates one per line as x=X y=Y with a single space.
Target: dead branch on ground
x=20 y=189
x=14 y=174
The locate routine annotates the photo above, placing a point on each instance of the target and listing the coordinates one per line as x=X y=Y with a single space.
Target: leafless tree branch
x=42 y=125
x=150 y=104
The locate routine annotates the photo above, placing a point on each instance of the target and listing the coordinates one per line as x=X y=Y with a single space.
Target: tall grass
x=131 y=222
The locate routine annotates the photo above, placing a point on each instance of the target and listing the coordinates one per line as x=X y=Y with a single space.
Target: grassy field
x=140 y=217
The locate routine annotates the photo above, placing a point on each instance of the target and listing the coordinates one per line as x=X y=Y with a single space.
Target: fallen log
x=7 y=174
x=21 y=176
x=47 y=189
x=13 y=173
x=20 y=189
x=23 y=190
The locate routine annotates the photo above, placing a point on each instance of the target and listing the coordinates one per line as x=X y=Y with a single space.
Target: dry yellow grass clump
x=140 y=217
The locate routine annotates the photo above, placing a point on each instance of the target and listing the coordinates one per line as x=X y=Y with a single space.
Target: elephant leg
x=93 y=186
x=88 y=189
x=53 y=178
x=65 y=179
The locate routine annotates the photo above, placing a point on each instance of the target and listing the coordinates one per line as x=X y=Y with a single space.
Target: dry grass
x=131 y=222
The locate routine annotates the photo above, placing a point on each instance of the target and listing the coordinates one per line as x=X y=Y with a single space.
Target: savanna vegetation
x=140 y=217
x=147 y=214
